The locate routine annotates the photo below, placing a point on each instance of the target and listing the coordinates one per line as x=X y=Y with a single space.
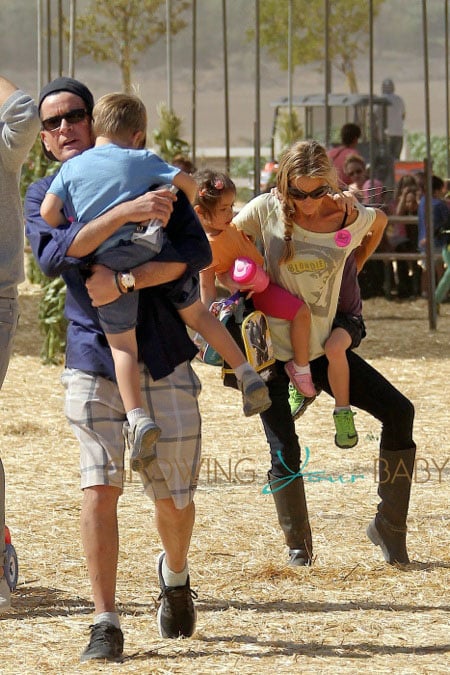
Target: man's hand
x=101 y=286
x=155 y=204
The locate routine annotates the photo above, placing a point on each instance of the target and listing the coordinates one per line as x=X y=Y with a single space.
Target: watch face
x=128 y=279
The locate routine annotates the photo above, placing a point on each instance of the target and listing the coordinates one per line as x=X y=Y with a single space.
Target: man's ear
x=44 y=142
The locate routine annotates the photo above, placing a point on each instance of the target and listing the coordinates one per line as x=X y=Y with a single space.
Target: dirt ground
x=349 y=613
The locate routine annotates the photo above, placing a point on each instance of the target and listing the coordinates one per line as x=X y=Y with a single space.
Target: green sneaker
x=346 y=436
x=297 y=402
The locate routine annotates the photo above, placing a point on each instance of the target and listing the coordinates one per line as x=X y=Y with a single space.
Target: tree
x=348 y=31
x=118 y=31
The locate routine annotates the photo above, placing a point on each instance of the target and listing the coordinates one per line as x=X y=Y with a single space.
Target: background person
x=395 y=118
x=19 y=124
x=350 y=135
x=93 y=405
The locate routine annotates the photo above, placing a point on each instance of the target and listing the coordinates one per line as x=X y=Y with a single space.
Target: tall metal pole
x=257 y=125
x=327 y=75
x=72 y=18
x=60 y=38
x=289 y=61
x=169 y=55
x=194 y=81
x=371 y=116
x=39 y=45
x=49 y=42
x=447 y=96
x=225 y=83
x=428 y=191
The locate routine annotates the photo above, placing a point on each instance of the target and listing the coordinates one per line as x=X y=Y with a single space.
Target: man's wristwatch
x=125 y=282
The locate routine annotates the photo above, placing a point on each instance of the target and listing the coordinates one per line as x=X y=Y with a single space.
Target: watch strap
x=119 y=287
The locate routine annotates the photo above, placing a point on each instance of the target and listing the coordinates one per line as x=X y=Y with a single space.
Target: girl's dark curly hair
x=211 y=186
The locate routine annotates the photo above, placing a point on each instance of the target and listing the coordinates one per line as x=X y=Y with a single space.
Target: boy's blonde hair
x=118 y=116
x=305 y=158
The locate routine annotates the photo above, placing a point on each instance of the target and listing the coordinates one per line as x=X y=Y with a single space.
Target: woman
x=306 y=235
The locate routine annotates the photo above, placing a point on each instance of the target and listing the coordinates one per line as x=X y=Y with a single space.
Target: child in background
x=214 y=207
x=118 y=168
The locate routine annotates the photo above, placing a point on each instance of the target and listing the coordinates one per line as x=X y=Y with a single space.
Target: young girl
x=214 y=207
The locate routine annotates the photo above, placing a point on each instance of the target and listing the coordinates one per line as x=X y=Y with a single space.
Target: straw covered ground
x=348 y=613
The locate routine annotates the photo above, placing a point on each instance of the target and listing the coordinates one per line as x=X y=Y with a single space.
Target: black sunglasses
x=318 y=193
x=71 y=117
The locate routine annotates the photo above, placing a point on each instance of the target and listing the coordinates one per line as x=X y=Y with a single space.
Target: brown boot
x=388 y=528
x=290 y=503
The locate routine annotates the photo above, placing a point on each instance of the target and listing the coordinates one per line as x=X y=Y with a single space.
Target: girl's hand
x=226 y=280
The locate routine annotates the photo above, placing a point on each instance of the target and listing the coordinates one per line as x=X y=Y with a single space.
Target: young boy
x=118 y=168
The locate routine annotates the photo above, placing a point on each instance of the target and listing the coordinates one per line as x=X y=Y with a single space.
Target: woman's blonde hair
x=305 y=158
x=119 y=115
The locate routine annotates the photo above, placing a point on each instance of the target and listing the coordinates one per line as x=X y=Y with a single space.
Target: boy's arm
x=371 y=241
x=183 y=181
x=51 y=210
x=208 y=291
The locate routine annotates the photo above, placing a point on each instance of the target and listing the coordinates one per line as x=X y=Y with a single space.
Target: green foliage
x=52 y=322
x=348 y=31
x=51 y=307
x=167 y=137
x=289 y=129
x=36 y=166
x=116 y=32
x=417 y=149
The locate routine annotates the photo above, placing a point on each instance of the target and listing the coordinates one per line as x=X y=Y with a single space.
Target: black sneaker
x=176 y=614
x=106 y=643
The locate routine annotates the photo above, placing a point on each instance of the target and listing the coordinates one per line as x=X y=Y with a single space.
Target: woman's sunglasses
x=318 y=193
x=72 y=117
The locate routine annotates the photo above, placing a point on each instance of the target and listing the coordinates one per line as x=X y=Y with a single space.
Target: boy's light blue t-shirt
x=102 y=177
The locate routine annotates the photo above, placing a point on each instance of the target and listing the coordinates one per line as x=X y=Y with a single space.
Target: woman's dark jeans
x=369 y=391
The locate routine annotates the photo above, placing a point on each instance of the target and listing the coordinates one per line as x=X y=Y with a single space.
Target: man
x=94 y=409
x=395 y=118
x=350 y=135
x=19 y=125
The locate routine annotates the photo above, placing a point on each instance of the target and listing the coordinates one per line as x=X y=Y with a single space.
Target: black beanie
x=71 y=85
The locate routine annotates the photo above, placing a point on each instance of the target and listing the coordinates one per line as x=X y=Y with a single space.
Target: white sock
x=243 y=368
x=340 y=408
x=174 y=578
x=302 y=370
x=110 y=617
x=134 y=415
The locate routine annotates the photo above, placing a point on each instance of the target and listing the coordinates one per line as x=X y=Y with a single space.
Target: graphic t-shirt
x=315 y=271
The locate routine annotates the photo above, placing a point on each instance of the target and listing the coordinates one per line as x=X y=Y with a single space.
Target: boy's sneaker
x=106 y=643
x=141 y=439
x=5 y=595
x=297 y=402
x=302 y=382
x=176 y=614
x=255 y=394
x=346 y=436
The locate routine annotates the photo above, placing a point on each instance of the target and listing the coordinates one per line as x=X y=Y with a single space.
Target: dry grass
x=349 y=613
